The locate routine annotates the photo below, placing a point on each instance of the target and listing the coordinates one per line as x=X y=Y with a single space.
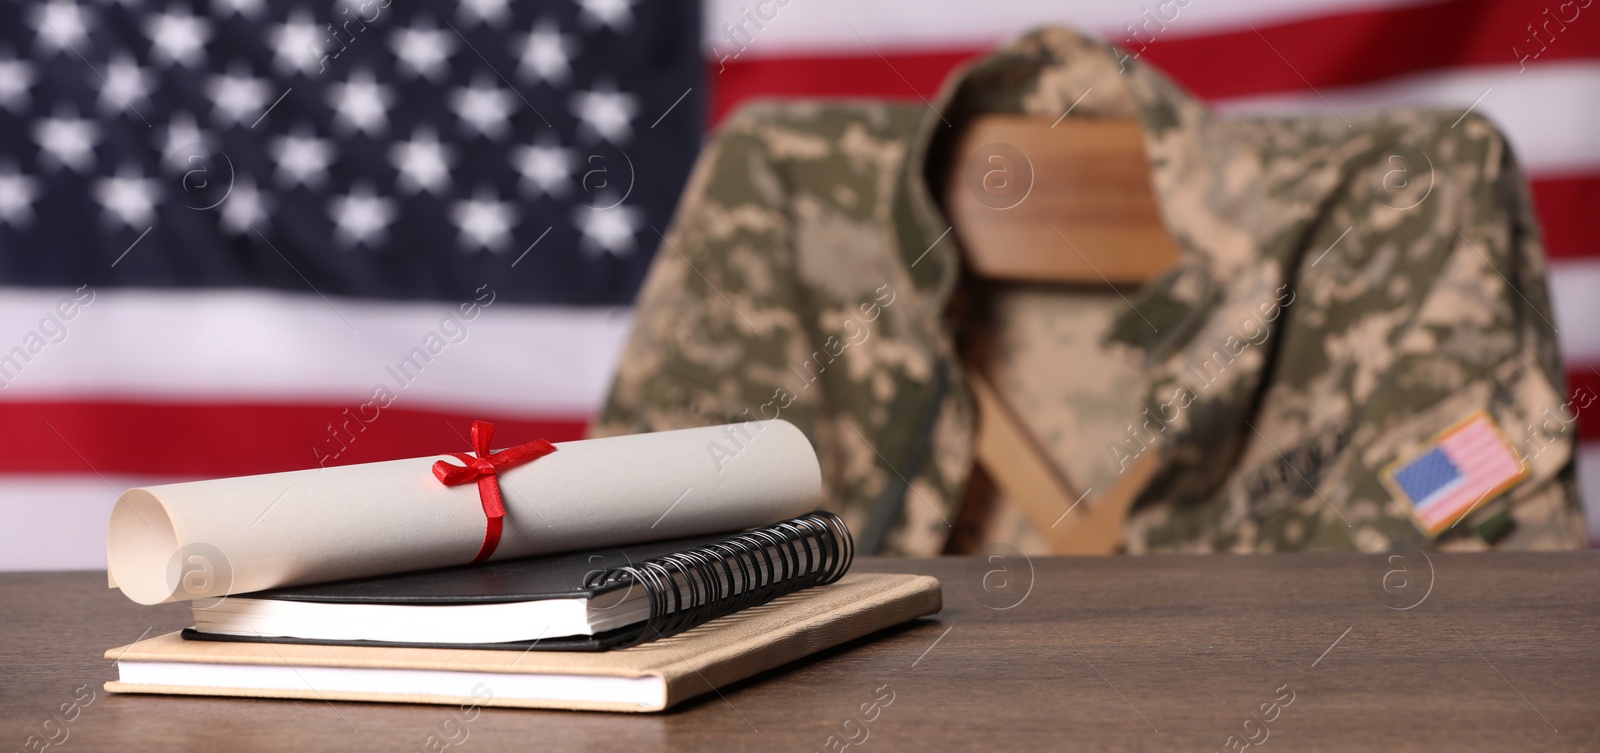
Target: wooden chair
x=1090 y=181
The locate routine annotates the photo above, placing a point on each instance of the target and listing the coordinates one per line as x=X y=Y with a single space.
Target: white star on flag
x=60 y=25
x=178 y=38
x=483 y=106
x=68 y=141
x=302 y=159
x=490 y=12
x=245 y=8
x=244 y=208
x=297 y=44
x=546 y=169
x=606 y=112
x=360 y=104
x=238 y=97
x=423 y=162
x=484 y=221
x=181 y=132
x=17 y=192
x=608 y=230
x=126 y=85
x=362 y=217
x=424 y=51
x=546 y=55
x=16 y=78
x=128 y=197
x=614 y=14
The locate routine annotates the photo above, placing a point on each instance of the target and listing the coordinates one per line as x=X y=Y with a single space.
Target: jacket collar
x=1044 y=74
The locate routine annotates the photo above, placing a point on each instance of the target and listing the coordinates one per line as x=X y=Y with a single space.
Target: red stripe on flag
x=1568 y=208
x=1356 y=48
x=1583 y=399
x=234 y=439
x=905 y=75
x=1328 y=51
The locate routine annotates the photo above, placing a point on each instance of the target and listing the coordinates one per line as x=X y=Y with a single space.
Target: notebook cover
x=598 y=642
x=692 y=663
x=557 y=576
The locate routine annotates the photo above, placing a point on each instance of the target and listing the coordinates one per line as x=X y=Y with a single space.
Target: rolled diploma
x=325 y=524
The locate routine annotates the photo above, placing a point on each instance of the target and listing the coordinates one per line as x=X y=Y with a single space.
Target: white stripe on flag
x=1589 y=488
x=820 y=26
x=1573 y=299
x=57 y=522
x=1537 y=107
x=275 y=347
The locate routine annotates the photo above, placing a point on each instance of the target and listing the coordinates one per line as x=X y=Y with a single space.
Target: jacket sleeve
x=778 y=293
x=714 y=306
x=1433 y=311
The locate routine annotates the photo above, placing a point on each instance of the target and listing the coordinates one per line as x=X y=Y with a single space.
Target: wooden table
x=1452 y=653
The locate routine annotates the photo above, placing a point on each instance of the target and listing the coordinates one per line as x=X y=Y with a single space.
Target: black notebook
x=580 y=601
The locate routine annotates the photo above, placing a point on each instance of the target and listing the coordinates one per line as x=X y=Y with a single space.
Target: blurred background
x=240 y=236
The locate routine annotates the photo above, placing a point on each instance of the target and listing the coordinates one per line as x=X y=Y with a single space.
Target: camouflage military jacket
x=1348 y=289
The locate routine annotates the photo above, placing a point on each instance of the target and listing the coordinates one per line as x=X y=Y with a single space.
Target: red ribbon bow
x=484 y=468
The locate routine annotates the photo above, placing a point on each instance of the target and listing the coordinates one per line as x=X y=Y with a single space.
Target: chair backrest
x=1078 y=208
x=1087 y=179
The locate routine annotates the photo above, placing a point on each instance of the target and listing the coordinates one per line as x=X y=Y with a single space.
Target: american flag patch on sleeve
x=1452 y=473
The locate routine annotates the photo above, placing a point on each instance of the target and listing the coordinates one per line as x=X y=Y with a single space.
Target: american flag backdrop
x=242 y=236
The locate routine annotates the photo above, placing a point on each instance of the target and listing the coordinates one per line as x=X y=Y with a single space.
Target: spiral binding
x=692 y=587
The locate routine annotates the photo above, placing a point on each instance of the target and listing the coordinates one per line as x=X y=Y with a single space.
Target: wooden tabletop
x=1284 y=652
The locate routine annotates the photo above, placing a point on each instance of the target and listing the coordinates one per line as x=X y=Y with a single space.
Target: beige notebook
x=649 y=677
